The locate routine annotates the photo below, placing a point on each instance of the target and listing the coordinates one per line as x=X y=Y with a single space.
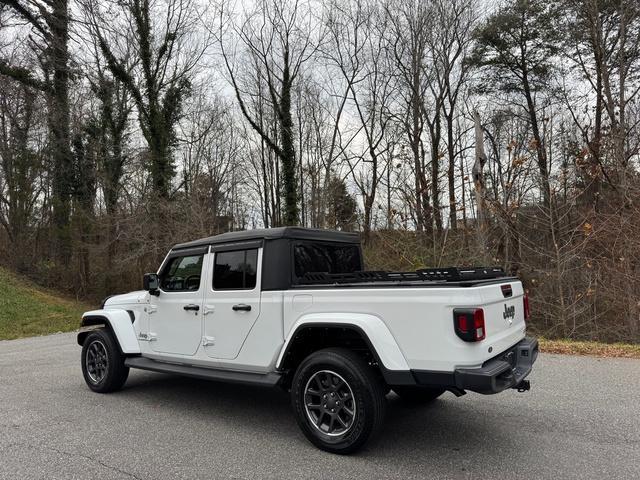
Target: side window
x=235 y=270
x=182 y=274
x=326 y=257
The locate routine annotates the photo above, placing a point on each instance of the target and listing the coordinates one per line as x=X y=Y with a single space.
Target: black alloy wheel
x=329 y=403
x=102 y=362
x=339 y=400
x=97 y=361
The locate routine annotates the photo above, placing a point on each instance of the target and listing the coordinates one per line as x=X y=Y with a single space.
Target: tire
x=415 y=395
x=102 y=363
x=358 y=400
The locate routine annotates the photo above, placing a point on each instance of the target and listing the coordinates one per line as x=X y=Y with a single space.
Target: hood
x=131 y=298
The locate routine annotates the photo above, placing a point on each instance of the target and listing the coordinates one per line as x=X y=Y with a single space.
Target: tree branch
x=23 y=75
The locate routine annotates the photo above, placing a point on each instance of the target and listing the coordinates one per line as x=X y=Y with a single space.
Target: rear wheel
x=102 y=363
x=338 y=400
x=417 y=395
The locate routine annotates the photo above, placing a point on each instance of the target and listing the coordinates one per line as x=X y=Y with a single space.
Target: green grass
x=27 y=310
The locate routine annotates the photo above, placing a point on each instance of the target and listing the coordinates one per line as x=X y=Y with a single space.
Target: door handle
x=192 y=306
x=242 y=307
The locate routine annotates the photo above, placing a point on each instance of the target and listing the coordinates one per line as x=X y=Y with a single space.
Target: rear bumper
x=506 y=370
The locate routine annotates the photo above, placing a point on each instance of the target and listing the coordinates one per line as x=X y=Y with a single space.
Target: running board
x=267 y=380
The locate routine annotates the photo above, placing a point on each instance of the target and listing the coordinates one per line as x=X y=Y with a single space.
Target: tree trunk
x=478 y=179
x=436 y=132
x=288 y=156
x=451 y=173
x=414 y=139
x=370 y=198
x=161 y=167
x=541 y=153
x=58 y=99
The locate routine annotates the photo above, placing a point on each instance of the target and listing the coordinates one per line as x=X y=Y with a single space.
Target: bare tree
x=411 y=23
x=154 y=50
x=211 y=159
x=450 y=45
x=279 y=38
x=22 y=168
x=48 y=22
x=360 y=59
x=108 y=130
x=603 y=46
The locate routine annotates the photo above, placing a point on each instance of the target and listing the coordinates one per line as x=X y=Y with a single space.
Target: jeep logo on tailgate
x=509 y=313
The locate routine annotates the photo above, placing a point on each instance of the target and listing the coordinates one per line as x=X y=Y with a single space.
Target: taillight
x=527 y=310
x=469 y=324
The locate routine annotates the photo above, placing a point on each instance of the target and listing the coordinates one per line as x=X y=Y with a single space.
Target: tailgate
x=503 y=306
x=504 y=320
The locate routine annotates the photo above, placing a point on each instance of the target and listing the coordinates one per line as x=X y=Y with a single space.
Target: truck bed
x=419 y=314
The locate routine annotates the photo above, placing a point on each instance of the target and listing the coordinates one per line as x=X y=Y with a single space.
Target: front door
x=233 y=301
x=175 y=320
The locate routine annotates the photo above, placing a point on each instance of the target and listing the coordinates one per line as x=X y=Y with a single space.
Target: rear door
x=233 y=300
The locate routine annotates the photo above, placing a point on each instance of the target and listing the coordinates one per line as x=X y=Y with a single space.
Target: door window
x=182 y=274
x=235 y=270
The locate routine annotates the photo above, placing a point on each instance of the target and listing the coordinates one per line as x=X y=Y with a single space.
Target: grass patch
x=27 y=310
x=596 y=349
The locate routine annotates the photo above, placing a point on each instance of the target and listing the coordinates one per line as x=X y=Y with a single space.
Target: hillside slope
x=27 y=310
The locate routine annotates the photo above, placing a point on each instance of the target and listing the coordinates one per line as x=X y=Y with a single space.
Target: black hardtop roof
x=298 y=233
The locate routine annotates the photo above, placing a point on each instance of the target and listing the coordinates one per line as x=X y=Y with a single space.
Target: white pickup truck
x=294 y=308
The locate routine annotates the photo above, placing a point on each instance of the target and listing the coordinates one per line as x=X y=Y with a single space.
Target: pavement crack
x=81 y=455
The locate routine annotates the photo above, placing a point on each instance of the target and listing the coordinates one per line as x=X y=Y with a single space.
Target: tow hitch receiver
x=523 y=386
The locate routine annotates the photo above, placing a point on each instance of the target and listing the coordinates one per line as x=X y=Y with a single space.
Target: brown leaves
x=567 y=347
x=518 y=162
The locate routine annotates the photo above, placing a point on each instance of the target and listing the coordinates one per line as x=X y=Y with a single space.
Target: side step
x=267 y=380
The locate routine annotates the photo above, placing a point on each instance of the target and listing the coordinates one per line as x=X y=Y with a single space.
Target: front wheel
x=338 y=400
x=103 y=365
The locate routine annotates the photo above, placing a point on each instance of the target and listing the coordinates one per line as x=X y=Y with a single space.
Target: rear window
x=235 y=270
x=326 y=258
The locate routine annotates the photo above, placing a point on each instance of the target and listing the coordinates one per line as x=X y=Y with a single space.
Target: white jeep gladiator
x=295 y=308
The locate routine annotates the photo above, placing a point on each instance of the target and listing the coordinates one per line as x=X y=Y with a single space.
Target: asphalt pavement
x=581 y=419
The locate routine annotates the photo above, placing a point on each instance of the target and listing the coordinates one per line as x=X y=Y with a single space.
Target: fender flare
x=372 y=327
x=119 y=321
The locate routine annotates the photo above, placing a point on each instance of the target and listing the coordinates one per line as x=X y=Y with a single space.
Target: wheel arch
x=119 y=322
x=365 y=334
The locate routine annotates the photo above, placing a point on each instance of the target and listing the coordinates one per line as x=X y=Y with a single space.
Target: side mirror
x=151 y=283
